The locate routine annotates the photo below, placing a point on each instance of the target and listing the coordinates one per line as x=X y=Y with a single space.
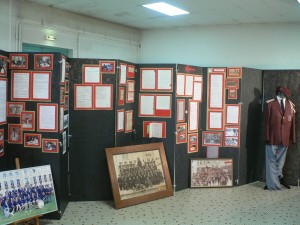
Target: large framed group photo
x=138 y=174
x=26 y=193
x=211 y=173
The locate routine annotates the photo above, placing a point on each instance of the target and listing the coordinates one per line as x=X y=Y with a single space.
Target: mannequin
x=279 y=129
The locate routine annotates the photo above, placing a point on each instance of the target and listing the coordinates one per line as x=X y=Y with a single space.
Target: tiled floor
x=247 y=204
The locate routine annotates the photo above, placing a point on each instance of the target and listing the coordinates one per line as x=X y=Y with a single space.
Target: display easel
x=25 y=221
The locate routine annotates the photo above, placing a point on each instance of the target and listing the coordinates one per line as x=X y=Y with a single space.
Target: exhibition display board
x=36 y=111
x=50 y=104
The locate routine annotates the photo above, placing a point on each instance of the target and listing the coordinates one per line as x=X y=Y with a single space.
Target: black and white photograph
x=211 y=173
x=212 y=138
x=15 y=108
x=138 y=173
x=232 y=131
x=43 y=61
x=26 y=193
x=18 y=61
x=32 y=140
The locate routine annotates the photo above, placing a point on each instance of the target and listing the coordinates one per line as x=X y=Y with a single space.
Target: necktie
x=282 y=106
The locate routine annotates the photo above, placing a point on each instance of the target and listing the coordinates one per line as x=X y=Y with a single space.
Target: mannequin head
x=282 y=92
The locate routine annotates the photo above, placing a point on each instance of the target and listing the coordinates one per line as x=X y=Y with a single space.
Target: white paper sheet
x=155 y=130
x=103 y=97
x=147 y=104
x=123 y=73
x=92 y=74
x=180 y=84
x=232 y=114
x=129 y=117
x=216 y=91
x=41 y=85
x=120 y=120
x=180 y=110
x=215 y=120
x=148 y=79
x=197 y=94
x=3 y=100
x=163 y=102
x=21 y=85
x=164 y=79
x=47 y=117
x=84 y=96
x=189 y=85
x=193 y=115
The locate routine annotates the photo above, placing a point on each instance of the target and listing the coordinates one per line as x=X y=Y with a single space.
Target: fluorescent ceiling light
x=166 y=9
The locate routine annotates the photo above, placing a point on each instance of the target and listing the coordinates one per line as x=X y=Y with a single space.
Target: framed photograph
x=107 y=67
x=1 y=135
x=50 y=145
x=43 y=61
x=130 y=71
x=232 y=83
x=193 y=142
x=232 y=136
x=211 y=173
x=18 y=61
x=1 y=148
x=232 y=93
x=15 y=133
x=28 y=120
x=66 y=86
x=211 y=138
x=121 y=95
x=66 y=102
x=181 y=134
x=144 y=188
x=3 y=65
x=15 y=108
x=29 y=179
x=234 y=72
x=32 y=140
x=62 y=95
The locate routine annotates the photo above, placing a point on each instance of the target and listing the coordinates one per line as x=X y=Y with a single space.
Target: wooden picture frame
x=18 y=61
x=47 y=117
x=50 y=145
x=121 y=159
x=32 y=140
x=107 y=67
x=15 y=133
x=43 y=61
x=3 y=66
x=14 y=109
x=27 y=120
x=211 y=173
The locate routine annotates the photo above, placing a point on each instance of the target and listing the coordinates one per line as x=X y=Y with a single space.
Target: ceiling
x=202 y=12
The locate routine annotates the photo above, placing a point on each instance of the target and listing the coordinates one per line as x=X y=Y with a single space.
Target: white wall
x=264 y=46
x=26 y=22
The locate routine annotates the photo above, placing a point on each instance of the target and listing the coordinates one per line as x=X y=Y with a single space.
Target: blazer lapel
x=277 y=105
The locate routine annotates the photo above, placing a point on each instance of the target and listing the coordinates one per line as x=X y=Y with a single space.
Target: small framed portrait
x=62 y=94
x=43 y=61
x=211 y=173
x=66 y=101
x=3 y=66
x=28 y=120
x=232 y=83
x=232 y=93
x=50 y=145
x=18 y=61
x=211 y=138
x=132 y=190
x=32 y=140
x=15 y=133
x=107 y=67
x=66 y=86
x=181 y=134
x=15 y=108
x=192 y=142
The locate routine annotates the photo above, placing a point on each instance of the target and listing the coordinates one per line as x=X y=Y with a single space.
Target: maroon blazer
x=279 y=128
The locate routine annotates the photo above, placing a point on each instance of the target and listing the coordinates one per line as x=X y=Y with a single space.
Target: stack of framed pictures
x=138 y=174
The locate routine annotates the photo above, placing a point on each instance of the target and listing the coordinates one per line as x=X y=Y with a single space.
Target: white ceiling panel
x=202 y=12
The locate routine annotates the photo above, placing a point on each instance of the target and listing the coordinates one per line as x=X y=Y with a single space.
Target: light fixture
x=50 y=37
x=298 y=1
x=166 y=9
